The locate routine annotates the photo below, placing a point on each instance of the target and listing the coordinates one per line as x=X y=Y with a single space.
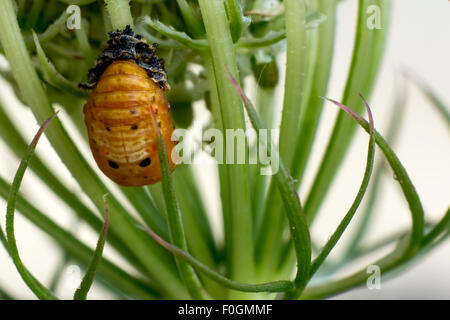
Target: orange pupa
x=128 y=84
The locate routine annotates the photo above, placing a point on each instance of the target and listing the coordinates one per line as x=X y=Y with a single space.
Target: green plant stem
x=176 y=229
x=88 y=279
x=119 y=13
x=180 y=37
x=295 y=11
x=34 y=13
x=313 y=109
x=156 y=262
x=193 y=22
x=235 y=17
x=223 y=174
x=273 y=220
x=275 y=286
x=348 y=217
x=109 y=272
x=297 y=222
x=265 y=101
x=35 y=285
x=223 y=59
x=51 y=31
x=396 y=260
x=392 y=131
x=411 y=196
x=367 y=53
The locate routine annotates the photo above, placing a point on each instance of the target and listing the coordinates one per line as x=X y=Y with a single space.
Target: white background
x=419 y=41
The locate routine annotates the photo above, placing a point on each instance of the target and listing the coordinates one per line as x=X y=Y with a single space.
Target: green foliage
x=210 y=48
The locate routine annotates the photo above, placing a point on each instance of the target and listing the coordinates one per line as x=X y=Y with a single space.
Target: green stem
x=175 y=223
x=223 y=174
x=193 y=22
x=275 y=286
x=119 y=13
x=367 y=53
x=392 y=131
x=314 y=106
x=295 y=11
x=109 y=272
x=348 y=217
x=224 y=58
x=269 y=233
x=35 y=285
x=298 y=227
x=88 y=279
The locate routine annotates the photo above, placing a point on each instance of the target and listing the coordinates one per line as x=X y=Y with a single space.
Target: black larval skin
x=126 y=45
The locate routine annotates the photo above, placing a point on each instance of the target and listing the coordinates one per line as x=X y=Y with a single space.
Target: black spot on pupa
x=108 y=128
x=134 y=127
x=132 y=111
x=113 y=165
x=144 y=163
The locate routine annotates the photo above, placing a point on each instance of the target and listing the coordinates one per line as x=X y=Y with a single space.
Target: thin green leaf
x=33 y=14
x=297 y=221
x=268 y=39
x=190 y=17
x=82 y=292
x=109 y=272
x=269 y=233
x=237 y=209
x=52 y=76
x=417 y=213
x=51 y=31
x=275 y=286
x=313 y=21
x=359 y=196
x=387 y=264
x=38 y=289
x=318 y=87
x=397 y=114
x=319 y=60
x=162 y=43
x=367 y=53
x=178 y=36
x=235 y=17
x=176 y=230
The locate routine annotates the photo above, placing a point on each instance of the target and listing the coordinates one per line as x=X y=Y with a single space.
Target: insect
x=128 y=83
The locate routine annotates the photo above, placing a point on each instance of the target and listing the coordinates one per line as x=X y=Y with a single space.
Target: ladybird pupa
x=128 y=83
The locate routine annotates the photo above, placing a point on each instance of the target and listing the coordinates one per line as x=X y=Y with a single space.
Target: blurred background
x=418 y=41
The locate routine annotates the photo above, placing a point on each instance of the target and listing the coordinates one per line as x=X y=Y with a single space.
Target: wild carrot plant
x=211 y=49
